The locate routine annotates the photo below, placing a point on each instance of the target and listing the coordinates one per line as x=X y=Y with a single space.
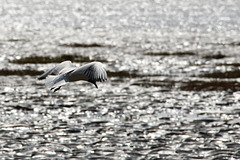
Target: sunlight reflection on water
x=173 y=81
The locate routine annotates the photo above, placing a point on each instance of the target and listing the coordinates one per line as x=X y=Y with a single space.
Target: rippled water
x=173 y=88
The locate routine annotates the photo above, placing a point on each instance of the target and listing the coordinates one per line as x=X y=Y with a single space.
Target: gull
x=66 y=72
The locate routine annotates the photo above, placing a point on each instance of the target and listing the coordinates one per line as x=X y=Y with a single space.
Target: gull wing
x=92 y=72
x=54 y=83
x=61 y=68
x=95 y=71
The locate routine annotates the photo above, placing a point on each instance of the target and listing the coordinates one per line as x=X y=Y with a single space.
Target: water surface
x=173 y=88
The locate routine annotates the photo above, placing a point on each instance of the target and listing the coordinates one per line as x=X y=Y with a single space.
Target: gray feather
x=66 y=72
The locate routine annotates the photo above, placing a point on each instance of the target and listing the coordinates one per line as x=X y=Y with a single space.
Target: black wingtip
x=55 y=89
x=95 y=85
x=40 y=78
x=93 y=82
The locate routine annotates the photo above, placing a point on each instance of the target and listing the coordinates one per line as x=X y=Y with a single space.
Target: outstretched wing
x=92 y=72
x=55 y=82
x=95 y=71
x=61 y=68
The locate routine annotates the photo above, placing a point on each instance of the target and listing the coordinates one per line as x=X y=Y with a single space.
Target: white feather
x=66 y=72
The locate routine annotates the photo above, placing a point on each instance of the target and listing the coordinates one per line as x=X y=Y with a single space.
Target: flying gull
x=66 y=72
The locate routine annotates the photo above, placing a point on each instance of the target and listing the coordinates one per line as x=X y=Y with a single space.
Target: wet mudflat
x=173 y=90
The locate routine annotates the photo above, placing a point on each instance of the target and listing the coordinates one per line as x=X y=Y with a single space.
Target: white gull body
x=66 y=72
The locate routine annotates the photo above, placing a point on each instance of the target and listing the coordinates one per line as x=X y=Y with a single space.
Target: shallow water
x=173 y=88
